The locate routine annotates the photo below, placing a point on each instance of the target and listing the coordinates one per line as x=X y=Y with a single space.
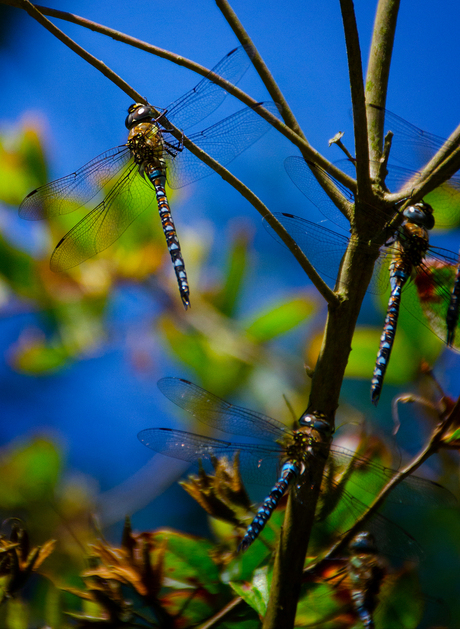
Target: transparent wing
x=223 y=141
x=345 y=509
x=71 y=192
x=258 y=464
x=445 y=199
x=130 y=196
x=218 y=413
x=302 y=176
x=412 y=490
x=325 y=249
x=206 y=97
x=410 y=145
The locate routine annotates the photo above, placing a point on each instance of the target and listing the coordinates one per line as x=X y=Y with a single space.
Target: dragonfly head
x=316 y=422
x=421 y=214
x=138 y=112
x=364 y=542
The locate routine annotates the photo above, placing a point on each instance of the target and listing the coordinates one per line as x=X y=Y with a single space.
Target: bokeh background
x=80 y=355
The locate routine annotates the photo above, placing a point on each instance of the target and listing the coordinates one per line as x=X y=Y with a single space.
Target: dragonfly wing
x=71 y=192
x=391 y=539
x=372 y=477
x=410 y=145
x=218 y=413
x=104 y=225
x=207 y=96
x=258 y=464
x=428 y=297
x=302 y=176
x=323 y=247
x=223 y=141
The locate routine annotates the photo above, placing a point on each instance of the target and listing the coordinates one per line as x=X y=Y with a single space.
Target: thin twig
x=286 y=112
x=431 y=448
x=260 y=66
x=305 y=148
x=378 y=71
x=81 y=52
x=222 y=613
x=355 y=71
x=322 y=287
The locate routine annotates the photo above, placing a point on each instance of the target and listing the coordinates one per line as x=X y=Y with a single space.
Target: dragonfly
x=285 y=456
x=138 y=170
x=406 y=253
x=361 y=589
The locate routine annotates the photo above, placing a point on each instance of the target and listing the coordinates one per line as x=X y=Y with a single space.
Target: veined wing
x=223 y=141
x=218 y=413
x=410 y=145
x=207 y=96
x=75 y=190
x=326 y=248
x=301 y=175
x=259 y=464
x=412 y=490
x=445 y=199
x=130 y=196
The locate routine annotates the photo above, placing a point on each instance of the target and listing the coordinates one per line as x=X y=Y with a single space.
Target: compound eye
x=420 y=214
x=136 y=113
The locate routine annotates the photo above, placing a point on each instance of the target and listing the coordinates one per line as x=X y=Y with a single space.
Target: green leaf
x=280 y=318
x=187 y=560
x=256 y=593
x=37 y=358
x=402 y=367
x=18 y=270
x=32 y=471
x=227 y=298
x=17 y=614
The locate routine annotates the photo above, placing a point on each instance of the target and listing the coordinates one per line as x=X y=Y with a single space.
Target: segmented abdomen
x=157 y=176
x=399 y=275
x=289 y=472
x=453 y=310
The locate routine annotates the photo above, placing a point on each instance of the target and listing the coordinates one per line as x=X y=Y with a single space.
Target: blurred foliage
x=68 y=575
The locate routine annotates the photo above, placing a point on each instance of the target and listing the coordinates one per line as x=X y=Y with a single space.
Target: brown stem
x=431 y=448
x=378 y=71
x=81 y=52
x=355 y=70
x=216 y=619
x=259 y=64
x=298 y=140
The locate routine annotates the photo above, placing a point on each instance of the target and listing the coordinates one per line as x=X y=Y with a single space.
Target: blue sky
x=302 y=43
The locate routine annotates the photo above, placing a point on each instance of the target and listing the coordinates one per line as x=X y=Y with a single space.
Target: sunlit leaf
x=228 y=297
x=279 y=319
x=188 y=559
x=32 y=471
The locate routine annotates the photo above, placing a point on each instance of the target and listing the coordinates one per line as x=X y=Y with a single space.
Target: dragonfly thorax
x=145 y=143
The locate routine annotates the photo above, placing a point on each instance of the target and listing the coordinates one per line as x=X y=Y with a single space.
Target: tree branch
x=355 y=70
x=291 y=135
x=431 y=448
x=378 y=71
x=81 y=52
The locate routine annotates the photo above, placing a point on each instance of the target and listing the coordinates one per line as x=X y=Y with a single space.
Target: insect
x=406 y=254
x=362 y=589
x=138 y=170
x=285 y=455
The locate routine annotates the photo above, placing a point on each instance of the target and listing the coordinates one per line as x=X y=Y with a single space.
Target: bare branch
x=378 y=71
x=357 y=98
